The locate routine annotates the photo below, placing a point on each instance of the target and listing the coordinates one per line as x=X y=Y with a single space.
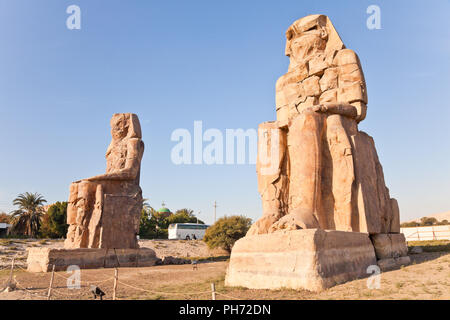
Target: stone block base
x=389 y=245
x=311 y=259
x=43 y=259
x=393 y=263
x=391 y=250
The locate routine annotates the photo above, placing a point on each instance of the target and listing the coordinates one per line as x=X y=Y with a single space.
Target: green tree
x=5 y=218
x=226 y=231
x=27 y=218
x=147 y=227
x=145 y=204
x=154 y=225
x=183 y=216
x=161 y=226
x=409 y=224
x=426 y=221
x=54 y=223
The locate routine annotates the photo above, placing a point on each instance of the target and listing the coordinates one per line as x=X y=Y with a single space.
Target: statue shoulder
x=346 y=56
x=135 y=146
x=109 y=150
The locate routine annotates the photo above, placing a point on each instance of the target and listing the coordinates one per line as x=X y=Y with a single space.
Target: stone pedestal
x=311 y=259
x=43 y=259
x=391 y=250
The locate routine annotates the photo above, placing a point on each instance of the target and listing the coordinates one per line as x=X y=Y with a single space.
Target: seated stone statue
x=104 y=210
x=327 y=175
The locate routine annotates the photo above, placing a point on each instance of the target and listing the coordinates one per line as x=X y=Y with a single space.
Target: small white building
x=4 y=229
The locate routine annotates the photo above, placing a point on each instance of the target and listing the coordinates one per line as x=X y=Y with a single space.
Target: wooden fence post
x=213 y=291
x=10 y=285
x=51 y=284
x=12 y=269
x=116 y=278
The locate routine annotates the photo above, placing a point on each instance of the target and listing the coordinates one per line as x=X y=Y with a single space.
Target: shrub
x=54 y=223
x=147 y=227
x=226 y=231
x=431 y=245
x=424 y=222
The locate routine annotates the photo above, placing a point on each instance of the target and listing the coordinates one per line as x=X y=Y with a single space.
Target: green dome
x=164 y=210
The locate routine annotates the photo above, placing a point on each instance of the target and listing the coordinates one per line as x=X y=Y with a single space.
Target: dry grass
x=427 y=278
x=432 y=245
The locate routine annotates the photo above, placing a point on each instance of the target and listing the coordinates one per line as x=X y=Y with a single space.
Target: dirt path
x=428 y=277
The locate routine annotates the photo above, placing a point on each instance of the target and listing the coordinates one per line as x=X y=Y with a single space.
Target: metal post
x=116 y=278
x=51 y=283
x=213 y=291
x=215 y=207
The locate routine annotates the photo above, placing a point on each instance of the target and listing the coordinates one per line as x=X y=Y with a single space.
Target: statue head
x=125 y=125
x=310 y=36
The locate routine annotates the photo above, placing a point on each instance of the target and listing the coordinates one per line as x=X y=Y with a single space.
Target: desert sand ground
x=10 y=248
x=428 y=277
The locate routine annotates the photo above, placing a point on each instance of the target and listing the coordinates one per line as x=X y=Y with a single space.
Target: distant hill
x=438 y=216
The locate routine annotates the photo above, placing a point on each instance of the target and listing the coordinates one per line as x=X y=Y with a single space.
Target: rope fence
x=165 y=293
x=58 y=292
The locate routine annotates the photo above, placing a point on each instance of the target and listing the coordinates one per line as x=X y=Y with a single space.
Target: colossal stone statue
x=329 y=175
x=327 y=213
x=104 y=210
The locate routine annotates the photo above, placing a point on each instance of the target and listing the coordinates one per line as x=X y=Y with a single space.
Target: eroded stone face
x=104 y=210
x=321 y=70
x=328 y=174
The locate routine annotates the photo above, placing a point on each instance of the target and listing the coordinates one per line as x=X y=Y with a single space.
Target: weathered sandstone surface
x=104 y=211
x=317 y=170
x=311 y=259
x=43 y=259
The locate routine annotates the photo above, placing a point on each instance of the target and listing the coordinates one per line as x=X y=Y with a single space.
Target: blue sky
x=175 y=62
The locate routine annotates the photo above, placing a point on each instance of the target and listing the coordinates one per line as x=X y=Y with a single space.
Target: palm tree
x=145 y=205
x=27 y=219
x=188 y=212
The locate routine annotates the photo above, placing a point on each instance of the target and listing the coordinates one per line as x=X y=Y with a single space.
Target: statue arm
x=344 y=109
x=132 y=164
x=352 y=81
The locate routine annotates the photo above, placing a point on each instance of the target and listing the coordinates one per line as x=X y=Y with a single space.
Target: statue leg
x=343 y=173
x=81 y=203
x=95 y=221
x=271 y=168
x=304 y=148
x=71 y=216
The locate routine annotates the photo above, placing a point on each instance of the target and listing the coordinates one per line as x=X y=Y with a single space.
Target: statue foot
x=298 y=219
x=263 y=224
x=289 y=222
